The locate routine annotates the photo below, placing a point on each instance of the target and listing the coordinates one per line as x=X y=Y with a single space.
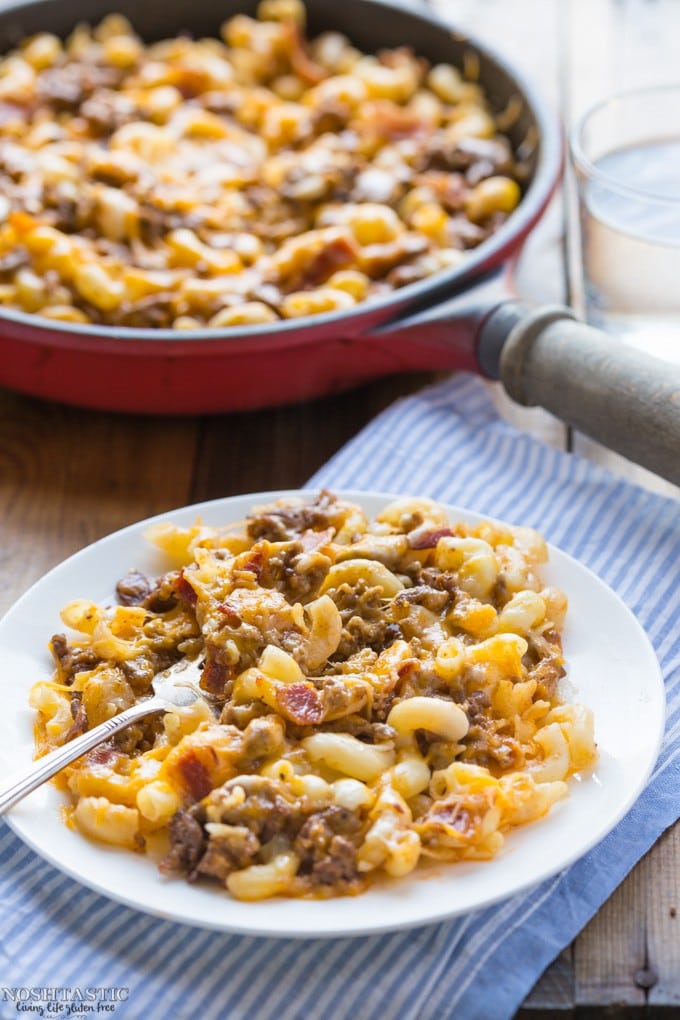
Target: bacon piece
x=337 y=253
x=391 y=121
x=79 y=724
x=231 y=615
x=311 y=540
x=195 y=775
x=104 y=754
x=301 y=703
x=214 y=677
x=427 y=538
x=449 y=189
x=184 y=590
x=300 y=61
x=253 y=561
x=407 y=668
x=457 y=818
x=378 y=259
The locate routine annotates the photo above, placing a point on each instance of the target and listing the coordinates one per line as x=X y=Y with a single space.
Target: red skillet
x=625 y=400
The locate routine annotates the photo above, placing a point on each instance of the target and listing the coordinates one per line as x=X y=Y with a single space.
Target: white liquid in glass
x=631 y=248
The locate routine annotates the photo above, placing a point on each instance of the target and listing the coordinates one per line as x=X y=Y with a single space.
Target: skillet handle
x=442 y=336
x=623 y=398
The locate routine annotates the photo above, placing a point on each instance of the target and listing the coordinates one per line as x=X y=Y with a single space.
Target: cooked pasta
x=377 y=692
x=236 y=181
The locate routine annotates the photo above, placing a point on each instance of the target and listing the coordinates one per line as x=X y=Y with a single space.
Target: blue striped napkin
x=448 y=443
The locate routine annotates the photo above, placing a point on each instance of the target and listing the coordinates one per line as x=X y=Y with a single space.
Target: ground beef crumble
x=325 y=840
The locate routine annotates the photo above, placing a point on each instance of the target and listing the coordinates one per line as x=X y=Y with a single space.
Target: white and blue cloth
x=447 y=443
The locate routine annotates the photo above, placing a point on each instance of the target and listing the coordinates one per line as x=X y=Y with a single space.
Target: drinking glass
x=626 y=156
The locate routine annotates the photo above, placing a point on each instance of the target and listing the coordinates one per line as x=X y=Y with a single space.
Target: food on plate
x=377 y=692
x=236 y=181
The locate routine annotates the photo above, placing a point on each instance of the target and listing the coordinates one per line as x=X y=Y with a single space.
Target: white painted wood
x=613 y=47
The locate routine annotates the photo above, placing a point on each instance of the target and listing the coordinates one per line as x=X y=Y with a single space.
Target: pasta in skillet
x=377 y=692
x=265 y=175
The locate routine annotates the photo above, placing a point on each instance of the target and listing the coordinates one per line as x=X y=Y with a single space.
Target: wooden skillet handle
x=614 y=393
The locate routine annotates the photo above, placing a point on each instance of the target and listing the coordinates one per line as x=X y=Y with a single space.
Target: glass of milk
x=626 y=156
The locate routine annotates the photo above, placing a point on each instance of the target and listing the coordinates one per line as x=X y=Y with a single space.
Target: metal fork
x=176 y=687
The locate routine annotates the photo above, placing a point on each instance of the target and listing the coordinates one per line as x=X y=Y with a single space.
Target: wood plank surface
x=281 y=448
x=662 y=923
x=614 y=947
x=70 y=476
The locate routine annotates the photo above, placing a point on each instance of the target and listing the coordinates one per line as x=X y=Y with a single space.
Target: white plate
x=612 y=668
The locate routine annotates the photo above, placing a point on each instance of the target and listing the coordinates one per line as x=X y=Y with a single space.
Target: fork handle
x=25 y=782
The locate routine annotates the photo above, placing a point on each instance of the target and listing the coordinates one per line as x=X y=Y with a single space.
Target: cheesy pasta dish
x=240 y=180
x=377 y=691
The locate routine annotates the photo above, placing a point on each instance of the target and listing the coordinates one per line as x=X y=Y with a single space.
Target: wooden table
x=68 y=477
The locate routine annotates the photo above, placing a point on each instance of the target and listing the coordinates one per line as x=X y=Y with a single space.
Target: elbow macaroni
x=388 y=689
